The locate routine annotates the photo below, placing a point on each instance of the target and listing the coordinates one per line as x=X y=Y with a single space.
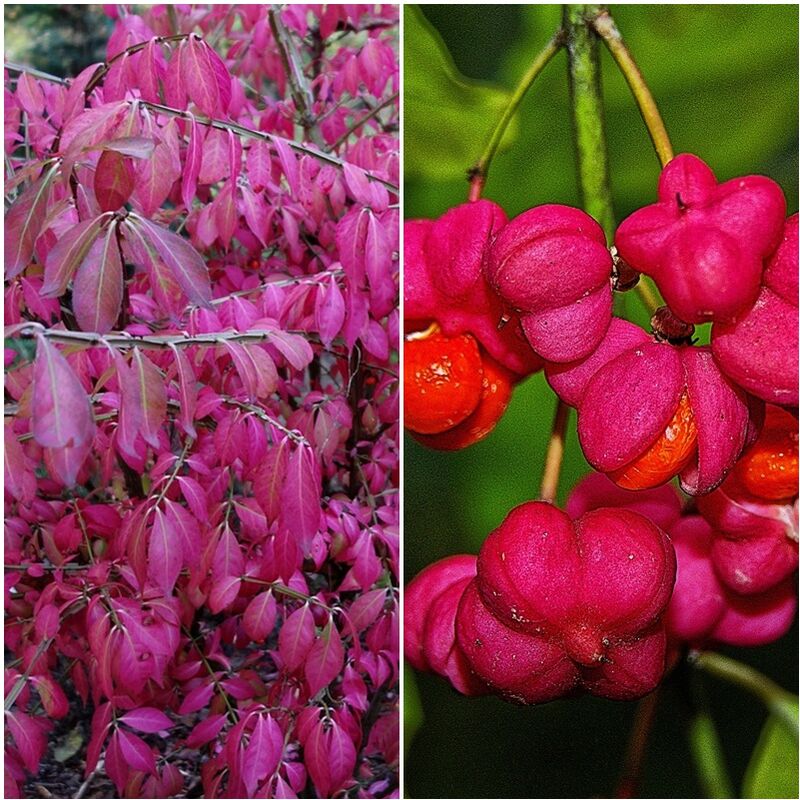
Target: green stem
x=480 y=171
x=777 y=699
x=706 y=748
x=604 y=24
x=587 y=114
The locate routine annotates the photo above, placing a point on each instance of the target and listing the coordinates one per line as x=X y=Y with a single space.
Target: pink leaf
x=206 y=731
x=147 y=720
x=325 y=659
x=351 y=233
x=288 y=163
x=224 y=78
x=67 y=255
x=265 y=371
x=20 y=480
x=329 y=312
x=301 y=496
x=150 y=69
x=358 y=184
x=195 y=496
x=199 y=76
x=97 y=290
x=155 y=175
x=187 y=386
x=30 y=95
x=225 y=215
x=54 y=701
x=263 y=753
x=315 y=756
x=164 y=554
x=151 y=395
x=138 y=755
x=269 y=479
x=365 y=609
x=196 y=699
x=223 y=593
x=194 y=160
x=23 y=223
x=185 y=530
x=46 y=621
x=63 y=463
x=341 y=757
x=296 y=637
x=228 y=559
x=113 y=180
x=185 y=263
x=135 y=146
x=29 y=738
x=295 y=349
x=255 y=212
x=259 y=165
x=244 y=367
x=258 y=619
x=62 y=415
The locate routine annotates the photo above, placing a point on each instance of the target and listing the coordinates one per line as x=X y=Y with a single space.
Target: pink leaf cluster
x=202 y=536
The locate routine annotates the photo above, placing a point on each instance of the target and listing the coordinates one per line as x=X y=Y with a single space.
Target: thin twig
x=605 y=26
x=85 y=785
x=301 y=93
x=122 y=340
x=555 y=454
x=353 y=128
x=633 y=765
x=479 y=172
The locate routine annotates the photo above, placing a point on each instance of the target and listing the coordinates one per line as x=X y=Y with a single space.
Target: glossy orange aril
x=666 y=457
x=498 y=383
x=769 y=468
x=443 y=380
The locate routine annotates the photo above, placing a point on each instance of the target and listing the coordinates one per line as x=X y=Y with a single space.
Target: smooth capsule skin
x=443 y=378
x=666 y=457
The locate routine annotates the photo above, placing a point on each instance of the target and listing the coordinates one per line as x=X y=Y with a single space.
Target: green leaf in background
x=448 y=118
x=773 y=768
x=412 y=707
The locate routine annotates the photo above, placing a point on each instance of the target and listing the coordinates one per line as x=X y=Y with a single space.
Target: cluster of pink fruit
x=605 y=595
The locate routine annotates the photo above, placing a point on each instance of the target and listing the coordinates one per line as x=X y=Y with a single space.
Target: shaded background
x=59 y=39
x=725 y=78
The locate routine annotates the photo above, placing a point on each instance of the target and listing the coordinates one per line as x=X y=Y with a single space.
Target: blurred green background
x=726 y=81
x=59 y=39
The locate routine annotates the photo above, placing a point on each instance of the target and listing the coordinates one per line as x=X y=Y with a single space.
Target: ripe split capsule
x=769 y=469
x=666 y=457
x=454 y=392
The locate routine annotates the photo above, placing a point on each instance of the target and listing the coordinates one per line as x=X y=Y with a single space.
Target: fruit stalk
x=555 y=454
x=605 y=26
x=480 y=170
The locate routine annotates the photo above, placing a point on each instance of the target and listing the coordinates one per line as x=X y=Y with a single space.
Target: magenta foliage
x=202 y=465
